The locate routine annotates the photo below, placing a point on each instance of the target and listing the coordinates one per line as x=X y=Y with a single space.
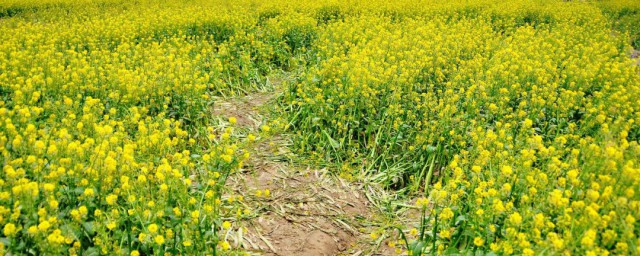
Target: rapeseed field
x=514 y=126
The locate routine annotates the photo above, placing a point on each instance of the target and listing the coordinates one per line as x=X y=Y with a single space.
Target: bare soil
x=308 y=212
x=635 y=55
x=245 y=109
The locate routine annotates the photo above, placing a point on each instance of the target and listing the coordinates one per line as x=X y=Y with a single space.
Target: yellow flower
x=630 y=220
x=622 y=247
x=111 y=225
x=588 y=238
x=10 y=229
x=32 y=230
x=528 y=252
x=226 y=225
x=446 y=214
x=159 y=239
x=88 y=192
x=83 y=210
x=446 y=234
x=111 y=199
x=225 y=245
x=43 y=226
x=134 y=253
x=506 y=170
x=515 y=219
x=53 y=203
x=56 y=237
x=422 y=202
x=75 y=214
x=153 y=228
x=478 y=241
x=49 y=187
x=142 y=237
x=177 y=211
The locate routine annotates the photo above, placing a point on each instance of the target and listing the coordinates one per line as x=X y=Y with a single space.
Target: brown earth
x=308 y=212
x=245 y=109
x=635 y=54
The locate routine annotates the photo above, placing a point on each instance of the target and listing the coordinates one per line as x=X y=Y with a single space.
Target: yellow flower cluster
x=525 y=115
x=106 y=138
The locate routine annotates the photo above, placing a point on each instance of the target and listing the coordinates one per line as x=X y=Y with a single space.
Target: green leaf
x=21 y=246
x=460 y=219
x=416 y=248
x=89 y=227
x=91 y=251
x=68 y=228
x=334 y=144
x=78 y=190
x=5 y=241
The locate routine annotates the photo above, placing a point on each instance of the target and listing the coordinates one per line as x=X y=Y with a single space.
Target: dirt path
x=308 y=211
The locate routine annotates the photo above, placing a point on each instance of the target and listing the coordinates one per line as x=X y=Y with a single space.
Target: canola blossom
x=515 y=126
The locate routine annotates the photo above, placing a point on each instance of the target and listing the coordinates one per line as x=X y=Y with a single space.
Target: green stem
x=435 y=231
x=427 y=181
